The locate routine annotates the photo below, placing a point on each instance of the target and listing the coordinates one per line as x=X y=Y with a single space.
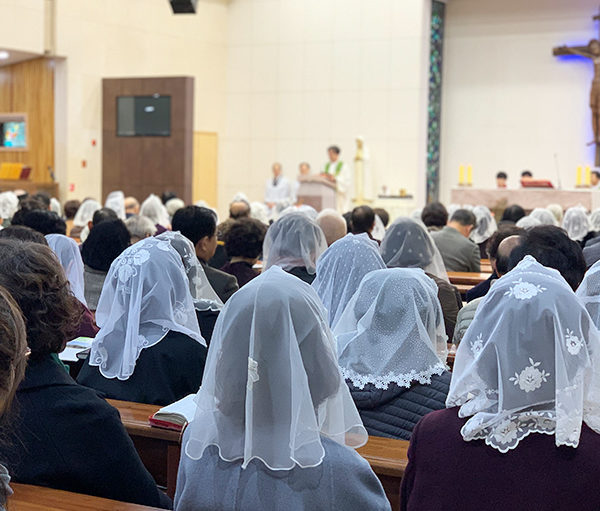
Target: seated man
x=458 y=251
x=199 y=225
x=363 y=221
x=332 y=224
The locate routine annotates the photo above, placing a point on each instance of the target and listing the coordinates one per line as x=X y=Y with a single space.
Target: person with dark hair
x=595 y=178
x=348 y=217
x=552 y=247
x=243 y=242
x=501 y=234
x=48 y=448
x=363 y=220
x=501 y=178
x=25 y=206
x=102 y=215
x=104 y=244
x=44 y=198
x=434 y=216
x=199 y=225
x=45 y=222
x=512 y=214
x=383 y=214
x=70 y=209
x=458 y=251
x=167 y=196
x=23 y=233
x=526 y=175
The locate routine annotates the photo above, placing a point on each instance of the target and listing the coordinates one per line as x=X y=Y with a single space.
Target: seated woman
x=67 y=437
x=407 y=244
x=486 y=226
x=149 y=348
x=294 y=243
x=243 y=242
x=275 y=421
x=103 y=245
x=577 y=224
x=341 y=269
x=392 y=350
x=523 y=423
x=83 y=218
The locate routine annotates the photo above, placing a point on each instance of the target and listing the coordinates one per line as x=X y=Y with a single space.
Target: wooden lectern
x=317 y=191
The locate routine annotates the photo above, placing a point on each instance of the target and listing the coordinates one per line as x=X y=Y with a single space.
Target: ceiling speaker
x=183 y=6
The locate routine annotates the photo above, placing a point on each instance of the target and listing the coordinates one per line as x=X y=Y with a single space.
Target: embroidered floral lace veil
x=529 y=362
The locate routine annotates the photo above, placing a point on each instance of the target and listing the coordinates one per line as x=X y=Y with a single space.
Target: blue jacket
x=393 y=413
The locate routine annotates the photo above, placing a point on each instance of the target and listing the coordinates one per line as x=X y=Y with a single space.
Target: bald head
x=505 y=249
x=332 y=224
x=239 y=209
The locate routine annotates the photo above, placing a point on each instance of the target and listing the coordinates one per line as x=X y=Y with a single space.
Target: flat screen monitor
x=144 y=116
x=13 y=134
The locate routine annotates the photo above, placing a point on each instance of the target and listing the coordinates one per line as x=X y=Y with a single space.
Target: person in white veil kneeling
x=275 y=425
x=149 y=348
x=522 y=426
x=392 y=350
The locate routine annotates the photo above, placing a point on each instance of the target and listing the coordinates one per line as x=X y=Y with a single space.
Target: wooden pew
x=160 y=450
x=462 y=289
x=38 y=498
x=486 y=266
x=472 y=279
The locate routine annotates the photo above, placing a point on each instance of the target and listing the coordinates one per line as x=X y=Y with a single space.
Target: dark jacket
x=482 y=288
x=66 y=437
x=445 y=472
x=393 y=413
x=450 y=301
x=223 y=283
x=242 y=271
x=163 y=374
x=302 y=274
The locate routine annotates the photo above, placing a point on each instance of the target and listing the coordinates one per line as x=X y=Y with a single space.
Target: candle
x=461 y=175
x=578 y=179
x=588 y=175
x=469 y=175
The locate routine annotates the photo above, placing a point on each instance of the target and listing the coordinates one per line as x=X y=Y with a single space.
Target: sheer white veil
x=340 y=270
x=116 y=202
x=589 y=292
x=527 y=222
x=407 y=244
x=272 y=387
x=85 y=213
x=9 y=204
x=486 y=224
x=205 y=297
x=576 y=223
x=56 y=207
x=379 y=229
x=392 y=330
x=545 y=216
x=557 y=211
x=155 y=210
x=145 y=295
x=68 y=253
x=529 y=362
x=595 y=220
x=294 y=240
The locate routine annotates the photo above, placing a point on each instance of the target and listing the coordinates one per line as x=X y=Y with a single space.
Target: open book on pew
x=176 y=415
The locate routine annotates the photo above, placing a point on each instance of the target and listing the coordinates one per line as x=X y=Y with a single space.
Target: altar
x=528 y=198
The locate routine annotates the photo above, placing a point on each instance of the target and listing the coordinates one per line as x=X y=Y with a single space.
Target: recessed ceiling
x=16 y=56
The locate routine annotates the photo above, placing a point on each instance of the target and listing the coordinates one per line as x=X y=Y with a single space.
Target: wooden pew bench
x=160 y=450
x=472 y=279
x=38 y=498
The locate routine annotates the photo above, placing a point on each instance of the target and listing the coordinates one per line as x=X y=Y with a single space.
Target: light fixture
x=4 y=55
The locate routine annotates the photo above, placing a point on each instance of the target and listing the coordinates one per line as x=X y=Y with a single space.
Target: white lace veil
x=259 y=211
x=379 y=229
x=205 y=297
x=392 y=330
x=56 y=207
x=309 y=211
x=576 y=223
x=527 y=222
x=145 y=295
x=294 y=240
x=340 y=270
x=155 y=210
x=116 y=202
x=486 y=224
x=272 y=387
x=68 y=253
x=85 y=213
x=529 y=362
x=589 y=292
x=557 y=211
x=9 y=204
x=407 y=244
x=595 y=220
x=545 y=216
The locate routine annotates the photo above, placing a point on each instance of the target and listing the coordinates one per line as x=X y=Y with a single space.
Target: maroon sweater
x=445 y=472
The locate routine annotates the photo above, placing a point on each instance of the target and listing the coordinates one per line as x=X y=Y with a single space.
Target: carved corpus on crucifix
x=592 y=52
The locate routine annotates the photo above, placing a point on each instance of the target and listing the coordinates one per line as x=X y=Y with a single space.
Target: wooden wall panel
x=143 y=165
x=28 y=87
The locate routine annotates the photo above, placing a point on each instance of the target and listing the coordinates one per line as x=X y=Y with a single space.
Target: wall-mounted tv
x=144 y=116
x=13 y=134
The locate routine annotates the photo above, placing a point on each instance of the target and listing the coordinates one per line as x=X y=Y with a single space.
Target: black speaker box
x=183 y=6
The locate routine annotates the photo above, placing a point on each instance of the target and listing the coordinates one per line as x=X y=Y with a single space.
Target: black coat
x=66 y=437
x=394 y=412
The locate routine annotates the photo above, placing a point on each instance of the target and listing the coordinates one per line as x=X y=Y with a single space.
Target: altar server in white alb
x=338 y=172
x=278 y=191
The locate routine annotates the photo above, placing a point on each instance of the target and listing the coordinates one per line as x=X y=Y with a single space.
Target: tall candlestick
x=461 y=175
x=469 y=175
x=578 y=178
x=588 y=175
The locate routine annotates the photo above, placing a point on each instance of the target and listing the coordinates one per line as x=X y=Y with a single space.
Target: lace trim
x=402 y=380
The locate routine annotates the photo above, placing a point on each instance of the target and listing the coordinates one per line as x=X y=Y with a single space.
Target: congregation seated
x=103 y=245
x=341 y=269
x=64 y=435
x=332 y=224
x=363 y=221
x=294 y=243
x=434 y=216
x=275 y=424
x=243 y=241
x=154 y=208
x=408 y=245
x=83 y=217
x=45 y=222
x=70 y=210
x=132 y=207
x=9 y=205
x=544 y=215
x=383 y=215
x=523 y=411
x=482 y=232
x=459 y=253
x=115 y=201
x=139 y=227
x=512 y=214
x=20 y=232
x=392 y=350
x=149 y=348
x=199 y=225
x=577 y=224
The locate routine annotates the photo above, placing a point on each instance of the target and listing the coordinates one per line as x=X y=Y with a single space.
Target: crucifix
x=592 y=52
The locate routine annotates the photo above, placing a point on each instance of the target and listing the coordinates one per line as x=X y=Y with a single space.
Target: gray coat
x=459 y=253
x=344 y=480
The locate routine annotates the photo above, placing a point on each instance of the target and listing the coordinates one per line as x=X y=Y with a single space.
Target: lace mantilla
x=402 y=380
